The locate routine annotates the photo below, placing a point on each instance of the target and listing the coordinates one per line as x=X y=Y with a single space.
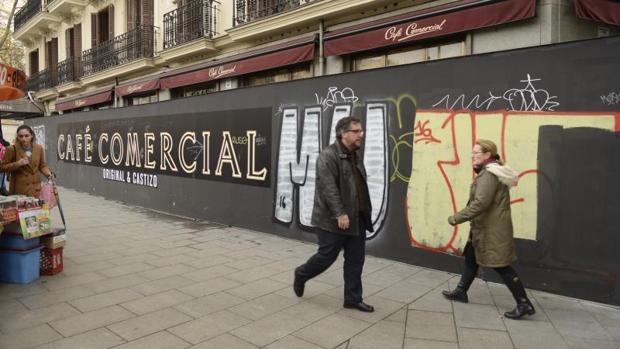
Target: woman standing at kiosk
x=24 y=160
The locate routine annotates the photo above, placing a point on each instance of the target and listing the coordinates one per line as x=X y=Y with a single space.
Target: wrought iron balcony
x=42 y=80
x=28 y=11
x=69 y=70
x=133 y=45
x=196 y=19
x=246 y=11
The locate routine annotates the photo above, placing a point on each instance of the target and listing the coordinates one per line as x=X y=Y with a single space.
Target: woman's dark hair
x=26 y=127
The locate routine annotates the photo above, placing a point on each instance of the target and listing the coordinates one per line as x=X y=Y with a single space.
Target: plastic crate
x=19 y=267
x=51 y=261
x=12 y=241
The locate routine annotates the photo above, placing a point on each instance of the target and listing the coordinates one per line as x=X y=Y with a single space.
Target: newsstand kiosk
x=29 y=247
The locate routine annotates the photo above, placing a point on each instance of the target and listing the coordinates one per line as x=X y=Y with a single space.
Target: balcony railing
x=130 y=46
x=69 y=70
x=246 y=11
x=24 y=14
x=195 y=20
x=42 y=80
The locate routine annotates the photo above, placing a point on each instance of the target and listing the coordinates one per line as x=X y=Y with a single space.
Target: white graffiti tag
x=528 y=98
x=334 y=96
x=612 y=98
x=39 y=135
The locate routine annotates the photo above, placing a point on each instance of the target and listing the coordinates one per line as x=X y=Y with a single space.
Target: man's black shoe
x=298 y=286
x=361 y=306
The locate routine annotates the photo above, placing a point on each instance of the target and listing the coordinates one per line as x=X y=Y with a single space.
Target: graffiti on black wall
x=296 y=178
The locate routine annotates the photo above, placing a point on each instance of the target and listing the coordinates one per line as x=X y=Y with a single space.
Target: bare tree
x=8 y=24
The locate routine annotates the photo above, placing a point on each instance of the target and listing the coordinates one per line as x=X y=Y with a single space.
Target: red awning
x=606 y=11
x=84 y=100
x=460 y=16
x=136 y=87
x=241 y=64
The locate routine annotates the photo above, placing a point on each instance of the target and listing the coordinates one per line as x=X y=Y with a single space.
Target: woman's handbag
x=47 y=194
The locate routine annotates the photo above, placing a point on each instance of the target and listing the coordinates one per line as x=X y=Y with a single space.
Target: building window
x=200 y=89
x=141 y=99
x=408 y=55
x=278 y=75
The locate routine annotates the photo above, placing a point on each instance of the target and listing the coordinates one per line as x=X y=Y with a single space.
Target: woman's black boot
x=458 y=294
x=524 y=307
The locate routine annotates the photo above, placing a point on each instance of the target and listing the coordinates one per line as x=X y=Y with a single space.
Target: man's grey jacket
x=335 y=191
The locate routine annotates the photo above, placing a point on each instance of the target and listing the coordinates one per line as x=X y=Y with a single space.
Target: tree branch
x=8 y=24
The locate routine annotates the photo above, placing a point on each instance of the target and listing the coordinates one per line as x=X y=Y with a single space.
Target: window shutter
x=147 y=12
x=68 y=43
x=94 y=29
x=131 y=14
x=77 y=40
x=48 y=54
x=110 y=22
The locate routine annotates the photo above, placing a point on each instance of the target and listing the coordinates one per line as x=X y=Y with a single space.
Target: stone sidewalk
x=137 y=279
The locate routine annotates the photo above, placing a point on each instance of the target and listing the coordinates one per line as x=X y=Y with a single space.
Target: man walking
x=341 y=213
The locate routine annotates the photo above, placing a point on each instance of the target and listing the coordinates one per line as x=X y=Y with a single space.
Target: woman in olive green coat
x=490 y=242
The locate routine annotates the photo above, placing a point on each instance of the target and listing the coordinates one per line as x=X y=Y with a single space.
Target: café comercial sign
x=231 y=146
x=408 y=31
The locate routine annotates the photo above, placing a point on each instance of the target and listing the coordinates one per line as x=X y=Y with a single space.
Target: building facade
x=96 y=54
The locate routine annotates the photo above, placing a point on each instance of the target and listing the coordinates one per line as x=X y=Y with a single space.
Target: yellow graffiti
x=442 y=169
x=401 y=139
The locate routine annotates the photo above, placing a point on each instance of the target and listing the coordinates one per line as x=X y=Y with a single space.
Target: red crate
x=51 y=261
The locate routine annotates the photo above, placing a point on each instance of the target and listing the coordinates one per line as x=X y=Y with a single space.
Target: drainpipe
x=321 y=57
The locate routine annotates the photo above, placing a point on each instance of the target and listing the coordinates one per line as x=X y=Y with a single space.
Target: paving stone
x=212 y=303
x=159 y=340
x=404 y=292
x=479 y=316
x=209 y=326
x=588 y=343
x=257 y=288
x=97 y=339
x=577 y=323
x=332 y=330
x=225 y=341
x=429 y=325
x=29 y=337
x=103 y=300
x=534 y=335
x=412 y=343
x=433 y=301
x=384 y=335
x=210 y=273
x=289 y=342
x=269 y=329
x=156 y=302
x=208 y=287
x=89 y=321
x=148 y=324
x=55 y=297
x=36 y=317
x=167 y=271
x=483 y=339
x=116 y=283
x=161 y=285
x=263 y=306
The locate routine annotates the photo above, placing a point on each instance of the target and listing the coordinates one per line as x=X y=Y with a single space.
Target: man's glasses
x=356 y=131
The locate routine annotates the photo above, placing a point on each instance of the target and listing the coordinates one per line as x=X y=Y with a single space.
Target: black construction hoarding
x=554 y=112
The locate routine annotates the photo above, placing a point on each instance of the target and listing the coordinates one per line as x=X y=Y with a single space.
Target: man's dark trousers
x=330 y=245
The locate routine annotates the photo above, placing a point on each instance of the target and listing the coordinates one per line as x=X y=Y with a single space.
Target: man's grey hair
x=344 y=124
